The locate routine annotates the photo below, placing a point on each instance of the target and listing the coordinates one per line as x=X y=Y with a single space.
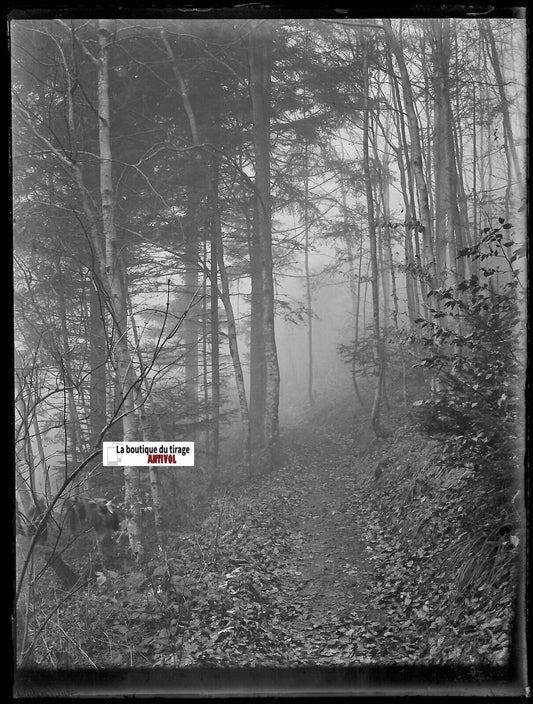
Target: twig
x=43 y=625
x=77 y=645
x=217 y=531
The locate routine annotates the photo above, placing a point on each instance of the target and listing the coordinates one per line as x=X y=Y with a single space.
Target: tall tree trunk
x=387 y=233
x=191 y=239
x=440 y=155
x=257 y=344
x=213 y=280
x=97 y=360
x=448 y=219
x=416 y=151
x=260 y=58
x=378 y=347
x=377 y=199
x=308 y=296
x=73 y=424
x=225 y=296
x=158 y=503
x=406 y=181
x=410 y=281
x=114 y=263
x=355 y=286
x=205 y=356
x=509 y=143
x=257 y=372
x=384 y=239
x=191 y=322
x=474 y=161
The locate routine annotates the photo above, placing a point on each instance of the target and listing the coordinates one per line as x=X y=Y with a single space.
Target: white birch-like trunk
x=416 y=152
x=113 y=264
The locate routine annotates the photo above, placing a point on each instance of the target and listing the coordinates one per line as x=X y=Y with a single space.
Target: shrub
x=474 y=351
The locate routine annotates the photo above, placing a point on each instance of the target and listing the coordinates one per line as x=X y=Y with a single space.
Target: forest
x=300 y=245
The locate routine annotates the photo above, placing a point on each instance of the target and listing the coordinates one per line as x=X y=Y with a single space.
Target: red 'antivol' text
x=161 y=459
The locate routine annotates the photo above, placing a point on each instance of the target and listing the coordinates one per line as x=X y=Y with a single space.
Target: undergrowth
x=446 y=555
x=204 y=601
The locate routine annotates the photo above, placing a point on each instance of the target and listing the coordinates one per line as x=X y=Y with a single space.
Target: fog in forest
x=300 y=246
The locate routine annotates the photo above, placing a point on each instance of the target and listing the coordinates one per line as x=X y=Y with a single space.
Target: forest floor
x=320 y=563
x=331 y=593
x=299 y=557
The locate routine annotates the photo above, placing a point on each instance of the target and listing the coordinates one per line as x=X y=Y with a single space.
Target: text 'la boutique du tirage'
x=142 y=454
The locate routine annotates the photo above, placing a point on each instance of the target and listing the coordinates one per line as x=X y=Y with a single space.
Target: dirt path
x=330 y=597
